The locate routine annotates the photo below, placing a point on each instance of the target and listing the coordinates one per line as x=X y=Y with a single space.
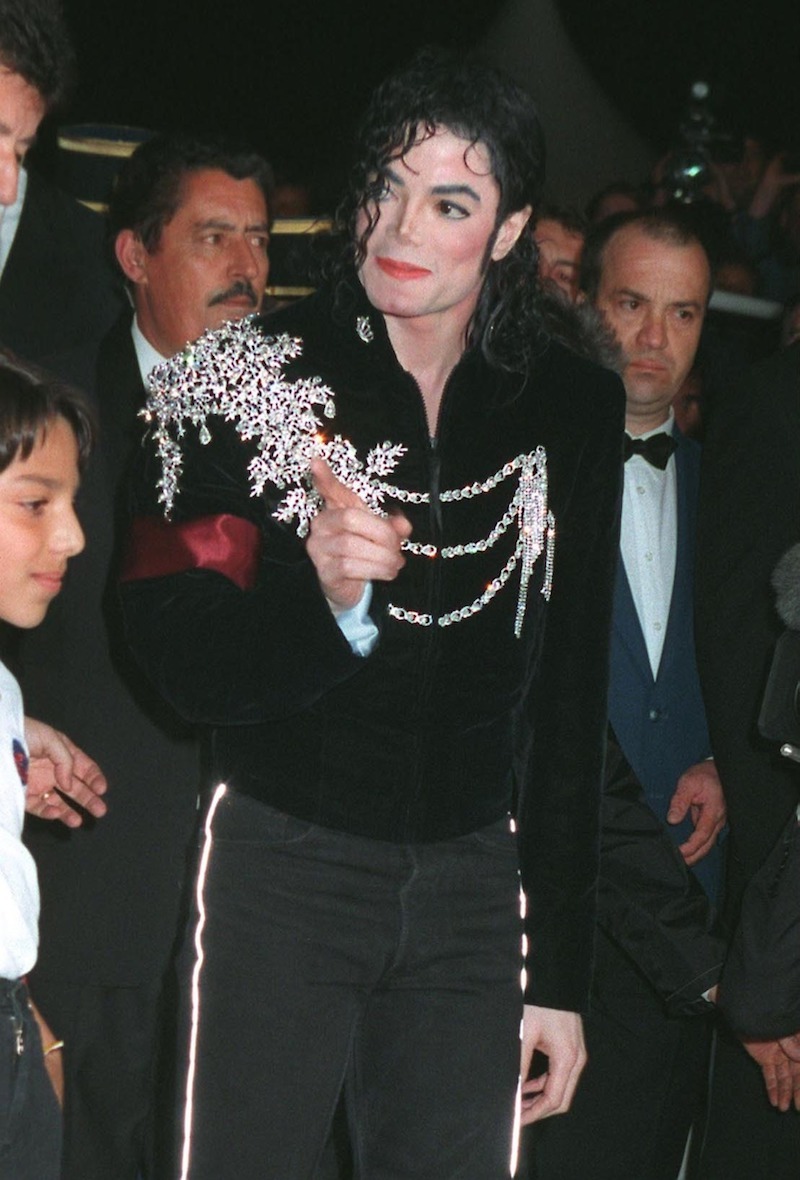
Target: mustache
x=241 y=288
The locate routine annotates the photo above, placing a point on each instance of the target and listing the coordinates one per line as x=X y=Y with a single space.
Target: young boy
x=45 y=438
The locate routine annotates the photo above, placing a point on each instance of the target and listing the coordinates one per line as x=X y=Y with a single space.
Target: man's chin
x=222 y=313
x=649 y=384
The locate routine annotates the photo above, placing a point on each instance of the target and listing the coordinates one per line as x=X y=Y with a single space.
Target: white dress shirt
x=9 y=220
x=19 y=890
x=147 y=357
x=649 y=541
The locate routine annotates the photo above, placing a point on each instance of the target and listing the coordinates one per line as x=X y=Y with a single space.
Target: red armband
x=228 y=544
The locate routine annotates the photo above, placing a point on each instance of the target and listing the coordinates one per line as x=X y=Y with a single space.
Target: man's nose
x=652 y=333
x=407 y=221
x=9 y=177
x=246 y=259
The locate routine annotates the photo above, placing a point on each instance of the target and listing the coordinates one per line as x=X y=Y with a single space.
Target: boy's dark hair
x=35 y=43
x=671 y=224
x=439 y=89
x=147 y=193
x=30 y=400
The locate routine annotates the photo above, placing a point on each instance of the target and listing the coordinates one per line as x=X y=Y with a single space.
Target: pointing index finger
x=333 y=491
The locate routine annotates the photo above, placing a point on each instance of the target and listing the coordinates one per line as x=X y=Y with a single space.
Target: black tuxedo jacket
x=57 y=288
x=749 y=515
x=760 y=992
x=650 y=905
x=110 y=891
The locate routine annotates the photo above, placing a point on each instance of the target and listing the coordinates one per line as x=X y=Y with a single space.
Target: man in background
x=649 y=276
x=56 y=287
x=190 y=222
x=559 y=235
x=749 y=516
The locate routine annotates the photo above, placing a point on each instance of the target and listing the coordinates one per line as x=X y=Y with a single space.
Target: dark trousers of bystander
x=30 y=1120
x=112 y=1095
x=745 y=1137
x=641 y=1091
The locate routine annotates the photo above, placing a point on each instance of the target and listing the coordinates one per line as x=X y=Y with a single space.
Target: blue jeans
x=30 y=1120
x=331 y=961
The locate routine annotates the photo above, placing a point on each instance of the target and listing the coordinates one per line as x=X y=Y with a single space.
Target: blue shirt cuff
x=357 y=626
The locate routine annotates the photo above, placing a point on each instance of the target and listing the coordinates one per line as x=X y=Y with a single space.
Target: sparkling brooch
x=364 y=329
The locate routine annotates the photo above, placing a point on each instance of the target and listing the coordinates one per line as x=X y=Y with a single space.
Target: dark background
x=292 y=77
x=646 y=53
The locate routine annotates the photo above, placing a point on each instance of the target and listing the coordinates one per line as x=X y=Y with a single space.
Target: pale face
x=653 y=294
x=21 y=112
x=209 y=266
x=426 y=256
x=559 y=255
x=39 y=530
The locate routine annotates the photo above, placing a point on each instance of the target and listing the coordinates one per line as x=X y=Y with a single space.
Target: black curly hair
x=148 y=190
x=440 y=89
x=30 y=400
x=35 y=43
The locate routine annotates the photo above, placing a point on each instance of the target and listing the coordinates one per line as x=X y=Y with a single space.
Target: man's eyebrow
x=439 y=190
x=629 y=291
x=455 y=190
x=219 y=223
x=28 y=140
x=680 y=303
x=394 y=176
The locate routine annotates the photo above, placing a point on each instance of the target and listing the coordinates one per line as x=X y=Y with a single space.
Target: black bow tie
x=656 y=449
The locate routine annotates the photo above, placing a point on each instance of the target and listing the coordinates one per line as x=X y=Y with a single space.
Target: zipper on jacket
x=435 y=467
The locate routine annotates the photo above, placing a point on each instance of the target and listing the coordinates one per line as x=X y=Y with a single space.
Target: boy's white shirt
x=19 y=889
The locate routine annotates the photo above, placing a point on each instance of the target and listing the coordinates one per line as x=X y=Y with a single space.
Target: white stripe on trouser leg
x=195 y=990
x=517 y=1128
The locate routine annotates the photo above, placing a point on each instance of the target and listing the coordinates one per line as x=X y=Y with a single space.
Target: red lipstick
x=401 y=270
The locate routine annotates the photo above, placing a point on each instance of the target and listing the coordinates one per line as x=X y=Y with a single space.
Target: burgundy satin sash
x=228 y=544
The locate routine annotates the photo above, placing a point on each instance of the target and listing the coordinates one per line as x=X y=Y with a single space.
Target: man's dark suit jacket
x=649 y=904
x=749 y=516
x=57 y=289
x=760 y=989
x=661 y=723
x=110 y=891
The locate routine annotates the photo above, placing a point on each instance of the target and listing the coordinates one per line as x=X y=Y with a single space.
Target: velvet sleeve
x=220 y=654
x=560 y=801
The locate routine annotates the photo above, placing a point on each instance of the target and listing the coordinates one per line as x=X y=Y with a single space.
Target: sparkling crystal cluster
x=237 y=373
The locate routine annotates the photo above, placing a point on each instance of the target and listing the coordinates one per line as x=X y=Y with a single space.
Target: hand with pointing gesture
x=348 y=544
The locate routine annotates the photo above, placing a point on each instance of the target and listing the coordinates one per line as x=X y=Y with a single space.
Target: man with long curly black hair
x=384 y=588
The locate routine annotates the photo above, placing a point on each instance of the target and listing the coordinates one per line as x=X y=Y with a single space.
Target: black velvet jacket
x=441 y=730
